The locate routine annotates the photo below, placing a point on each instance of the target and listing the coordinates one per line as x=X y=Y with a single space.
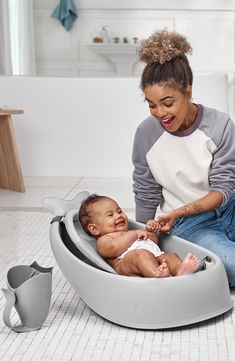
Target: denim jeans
x=214 y=230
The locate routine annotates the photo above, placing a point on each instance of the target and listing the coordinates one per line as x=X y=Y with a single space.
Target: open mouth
x=121 y=223
x=168 y=123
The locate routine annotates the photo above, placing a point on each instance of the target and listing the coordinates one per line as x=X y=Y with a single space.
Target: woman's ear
x=93 y=229
x=189 y=91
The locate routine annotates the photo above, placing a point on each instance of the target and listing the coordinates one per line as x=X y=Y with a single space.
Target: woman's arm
x=207 y=203
x=222 y=172
x=148 y=193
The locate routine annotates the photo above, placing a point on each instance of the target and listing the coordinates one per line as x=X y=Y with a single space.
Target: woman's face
x=173 y=109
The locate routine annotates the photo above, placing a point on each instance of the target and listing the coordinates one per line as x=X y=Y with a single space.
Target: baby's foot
x=188 y=265
x=163 y=270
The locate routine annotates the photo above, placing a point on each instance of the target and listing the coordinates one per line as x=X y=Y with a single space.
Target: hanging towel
x=66 y=13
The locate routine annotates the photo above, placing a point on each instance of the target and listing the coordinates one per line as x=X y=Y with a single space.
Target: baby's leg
x=176 y=266
x=142 y=263
x=188 y=265
x=163 y=270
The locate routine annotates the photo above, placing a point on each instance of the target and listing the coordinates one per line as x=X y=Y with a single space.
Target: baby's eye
x=119 y=211
x=109 y=214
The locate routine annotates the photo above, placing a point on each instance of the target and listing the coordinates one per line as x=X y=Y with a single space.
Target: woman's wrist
x=211 y=201
x=180 y=212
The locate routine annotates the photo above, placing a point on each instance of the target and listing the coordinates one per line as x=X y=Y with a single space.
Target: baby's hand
x=152 y=226
x=141 y=234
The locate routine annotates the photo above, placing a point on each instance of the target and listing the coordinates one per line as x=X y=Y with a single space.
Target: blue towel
x=66 y=13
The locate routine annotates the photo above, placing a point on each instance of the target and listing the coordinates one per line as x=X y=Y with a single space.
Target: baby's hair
x=83 y=214
x=167 y=63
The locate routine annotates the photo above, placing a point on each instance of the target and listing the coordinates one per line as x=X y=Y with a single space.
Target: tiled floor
x=72 y=331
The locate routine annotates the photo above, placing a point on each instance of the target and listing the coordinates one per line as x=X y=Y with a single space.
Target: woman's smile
x=172 y=108
x=168 y=122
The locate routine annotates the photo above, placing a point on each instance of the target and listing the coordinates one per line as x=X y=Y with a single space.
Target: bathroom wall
x=85 y=126
x=209 y=25
x=79 y=117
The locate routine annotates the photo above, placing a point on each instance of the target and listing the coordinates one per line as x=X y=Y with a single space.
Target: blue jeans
x=214 y=230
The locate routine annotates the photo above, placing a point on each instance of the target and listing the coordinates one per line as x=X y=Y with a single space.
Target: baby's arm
x=152 y=227
x=112 y=245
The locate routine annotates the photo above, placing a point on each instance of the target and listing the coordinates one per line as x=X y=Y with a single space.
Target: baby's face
x=108 y=217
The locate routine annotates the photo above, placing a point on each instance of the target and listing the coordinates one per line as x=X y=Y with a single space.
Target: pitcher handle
x=10 y=302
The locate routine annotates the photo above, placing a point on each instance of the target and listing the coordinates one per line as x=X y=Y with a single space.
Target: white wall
x=85 y=126
x=209 y=25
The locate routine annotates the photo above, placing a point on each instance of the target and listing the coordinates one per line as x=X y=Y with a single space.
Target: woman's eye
x=168 y=105
x=151 y=105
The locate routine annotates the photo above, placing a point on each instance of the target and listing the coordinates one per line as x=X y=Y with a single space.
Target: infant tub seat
x=136 y=302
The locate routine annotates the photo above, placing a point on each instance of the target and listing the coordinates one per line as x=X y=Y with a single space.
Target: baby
x=129 y=252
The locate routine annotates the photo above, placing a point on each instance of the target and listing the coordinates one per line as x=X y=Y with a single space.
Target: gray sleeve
x=147 y=192
x=222 y=173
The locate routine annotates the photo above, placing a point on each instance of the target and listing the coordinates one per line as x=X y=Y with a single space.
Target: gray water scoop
x=29 y=291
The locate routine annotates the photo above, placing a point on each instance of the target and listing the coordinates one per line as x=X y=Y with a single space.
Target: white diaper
x=144 y=244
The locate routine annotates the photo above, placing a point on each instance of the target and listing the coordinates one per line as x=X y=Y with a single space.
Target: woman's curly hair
x=163 y=46
x=167 y=63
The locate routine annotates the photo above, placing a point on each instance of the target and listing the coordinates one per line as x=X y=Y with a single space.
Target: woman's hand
x=210 y=201
x=166 y=221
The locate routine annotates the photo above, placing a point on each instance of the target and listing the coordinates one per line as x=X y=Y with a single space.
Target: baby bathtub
x=136 y=302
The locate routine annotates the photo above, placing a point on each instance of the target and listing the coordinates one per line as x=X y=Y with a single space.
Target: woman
x=184 y=154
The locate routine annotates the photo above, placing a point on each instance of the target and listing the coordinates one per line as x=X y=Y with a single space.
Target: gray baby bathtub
x=136 y=302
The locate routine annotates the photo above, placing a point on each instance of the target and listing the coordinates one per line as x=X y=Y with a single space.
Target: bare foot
x=163 y=271
x=188 y=265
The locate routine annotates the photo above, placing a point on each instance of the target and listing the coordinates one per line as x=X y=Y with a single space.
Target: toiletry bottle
x=104 y=34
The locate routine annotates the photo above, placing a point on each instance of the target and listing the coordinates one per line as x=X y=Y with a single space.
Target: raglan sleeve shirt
x=175 y=169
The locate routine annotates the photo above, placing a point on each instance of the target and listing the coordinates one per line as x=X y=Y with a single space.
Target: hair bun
x=163 y=46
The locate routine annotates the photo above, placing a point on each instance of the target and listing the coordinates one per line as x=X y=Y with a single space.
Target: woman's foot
x=188 y=265
x=163 y=271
